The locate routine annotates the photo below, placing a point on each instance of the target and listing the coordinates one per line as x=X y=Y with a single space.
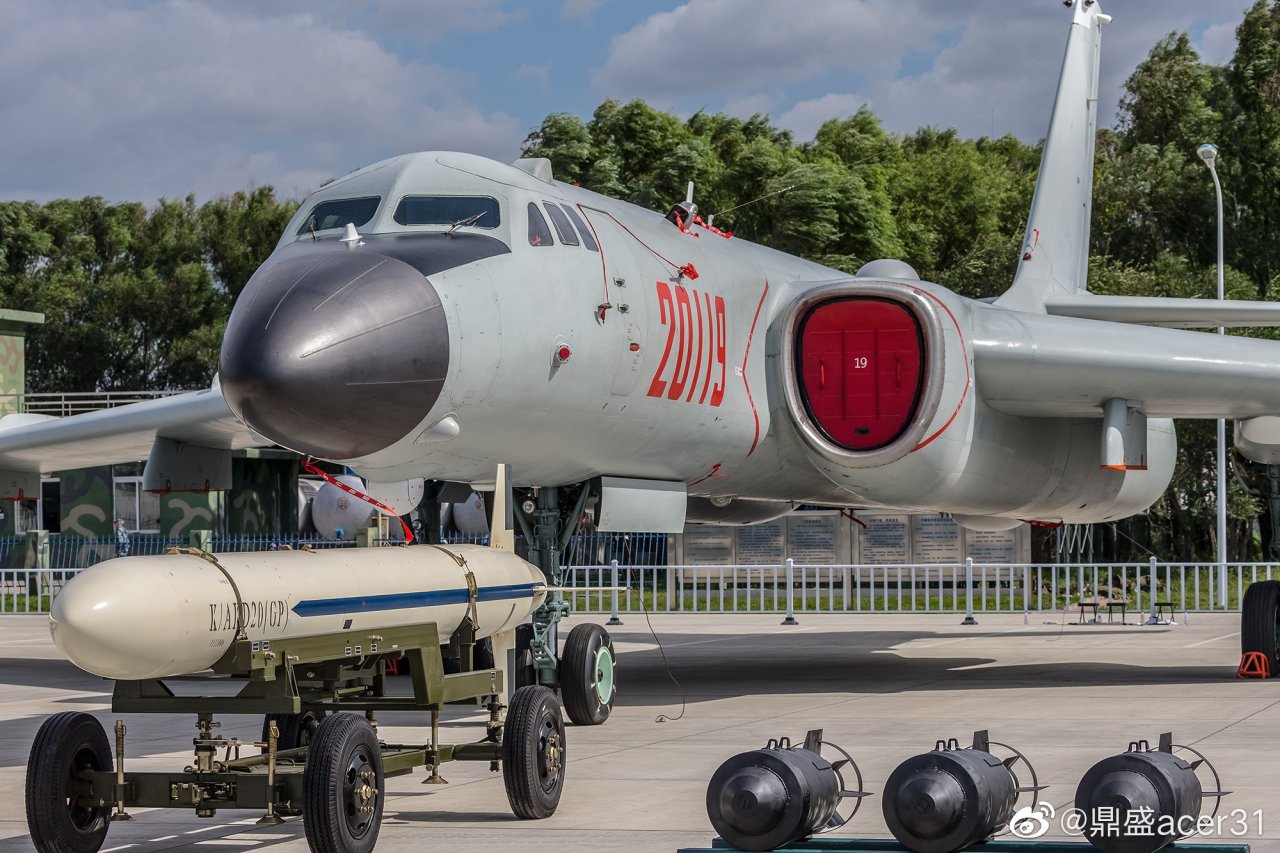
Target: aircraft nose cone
x=337 y=354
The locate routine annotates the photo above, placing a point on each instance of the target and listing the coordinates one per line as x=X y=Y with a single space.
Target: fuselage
x=573 y=335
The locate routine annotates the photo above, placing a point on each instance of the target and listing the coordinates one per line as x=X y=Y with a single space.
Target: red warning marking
x=697 y=220
x=312 y=468
x=714 y=472
x=964 y=350
x=755 y=441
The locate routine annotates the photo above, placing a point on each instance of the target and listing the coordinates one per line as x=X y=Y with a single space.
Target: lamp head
x=1208 y=153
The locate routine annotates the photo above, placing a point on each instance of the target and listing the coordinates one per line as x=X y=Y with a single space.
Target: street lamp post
x=1209 y=154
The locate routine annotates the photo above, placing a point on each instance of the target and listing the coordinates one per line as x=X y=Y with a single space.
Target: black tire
x=533 y=753
x=295 y=729
x=525 y=675
x=344 y=757
x=1260 y=622
x=587 y=675
x=66 y=746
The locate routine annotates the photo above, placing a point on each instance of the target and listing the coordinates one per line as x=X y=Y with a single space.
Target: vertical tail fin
x=1055 y=252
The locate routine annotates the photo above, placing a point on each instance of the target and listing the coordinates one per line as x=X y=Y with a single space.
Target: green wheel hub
x=604 y=675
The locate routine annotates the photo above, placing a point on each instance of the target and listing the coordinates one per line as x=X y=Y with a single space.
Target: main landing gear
x=585 y=672
x=1260 y=623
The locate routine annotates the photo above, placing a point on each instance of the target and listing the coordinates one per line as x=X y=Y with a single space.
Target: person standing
x=122 y=539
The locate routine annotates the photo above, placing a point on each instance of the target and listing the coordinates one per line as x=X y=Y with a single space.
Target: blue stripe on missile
x=407 y=600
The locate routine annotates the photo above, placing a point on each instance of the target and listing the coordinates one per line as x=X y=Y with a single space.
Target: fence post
x=1154 y=618
x=791 y=591
x=1026 y=595
x=613 y=616
x=968 y=592
x=200 y=539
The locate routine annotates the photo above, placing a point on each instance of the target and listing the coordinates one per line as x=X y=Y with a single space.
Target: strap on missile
x=241 y=634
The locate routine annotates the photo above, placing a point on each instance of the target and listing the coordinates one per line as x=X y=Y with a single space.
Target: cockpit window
x=340 y=212
x=563 y=228
x=588 y=239
x=478 y=211
x=539 y=233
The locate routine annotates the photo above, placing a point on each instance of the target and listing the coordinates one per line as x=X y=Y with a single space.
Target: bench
x=1092 y=604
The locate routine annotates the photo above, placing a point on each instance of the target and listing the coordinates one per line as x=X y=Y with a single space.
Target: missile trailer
x=320 y=755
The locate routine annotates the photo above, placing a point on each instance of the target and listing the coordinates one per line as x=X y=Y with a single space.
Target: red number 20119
x=696 y=331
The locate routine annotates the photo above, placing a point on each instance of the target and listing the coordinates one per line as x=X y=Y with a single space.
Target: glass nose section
x=336 y=354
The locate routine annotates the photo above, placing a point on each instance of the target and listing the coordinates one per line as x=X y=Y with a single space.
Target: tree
x=1252 y=163
x=238 y=232
x=1166 y=100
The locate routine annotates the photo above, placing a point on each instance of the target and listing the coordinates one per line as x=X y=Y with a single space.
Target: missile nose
x=337 y=354
x=106 y=619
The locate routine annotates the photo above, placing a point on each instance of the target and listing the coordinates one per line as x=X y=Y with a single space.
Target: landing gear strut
x=548 y=529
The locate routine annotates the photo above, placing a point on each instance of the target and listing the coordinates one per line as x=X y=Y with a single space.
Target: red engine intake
x=864 y=365
x=860 y=368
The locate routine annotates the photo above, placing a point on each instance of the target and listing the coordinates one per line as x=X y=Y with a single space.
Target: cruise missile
x=157 y=617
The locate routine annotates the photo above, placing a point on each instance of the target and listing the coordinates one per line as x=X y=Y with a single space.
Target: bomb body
x=156 y=617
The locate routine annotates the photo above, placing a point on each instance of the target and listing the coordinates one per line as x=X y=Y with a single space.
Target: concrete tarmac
x=882 y=686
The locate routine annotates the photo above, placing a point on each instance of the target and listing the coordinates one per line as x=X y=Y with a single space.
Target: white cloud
x=806 y=117
x=424 y=20
x=1218 y=44
x=540 y=74
x=745 y=106
x=996 y=74
x=579 y=8
x=718 y=45
x=138 y=103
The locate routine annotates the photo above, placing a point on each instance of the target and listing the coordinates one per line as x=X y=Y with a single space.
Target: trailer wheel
x=342 y=786
x=295 y=729
x=67 y=748
x=1260 y=622
x=525 y=674
x=587 y=675
x=533 y=753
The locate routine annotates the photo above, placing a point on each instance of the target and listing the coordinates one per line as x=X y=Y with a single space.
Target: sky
x=135 y=100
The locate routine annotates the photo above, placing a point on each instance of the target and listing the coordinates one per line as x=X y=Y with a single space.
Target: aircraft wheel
x=67 y=749
x=525 y=675
x=1260 y=622
x=533 y=753
x=342 y=786
x=587 y=675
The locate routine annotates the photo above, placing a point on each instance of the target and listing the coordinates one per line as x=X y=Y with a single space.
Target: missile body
x=156 y=617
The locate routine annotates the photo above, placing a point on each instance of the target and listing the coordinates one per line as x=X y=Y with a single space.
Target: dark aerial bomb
x=1151 y=787
x=950 y=798
x=769 y=797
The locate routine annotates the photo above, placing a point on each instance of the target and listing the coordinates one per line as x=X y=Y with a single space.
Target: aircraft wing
x=1171 y=313
x=123 y=434
x=1045 y=366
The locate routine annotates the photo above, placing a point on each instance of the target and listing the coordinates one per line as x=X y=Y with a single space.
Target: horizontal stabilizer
x=1169 y=313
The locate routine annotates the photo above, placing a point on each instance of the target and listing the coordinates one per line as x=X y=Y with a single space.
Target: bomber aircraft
x=435 y=314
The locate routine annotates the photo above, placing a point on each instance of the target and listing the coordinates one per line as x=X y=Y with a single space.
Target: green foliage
x=134 y=299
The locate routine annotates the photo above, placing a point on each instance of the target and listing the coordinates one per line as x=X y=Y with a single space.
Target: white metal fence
x=968 y=587
x=794 y=588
